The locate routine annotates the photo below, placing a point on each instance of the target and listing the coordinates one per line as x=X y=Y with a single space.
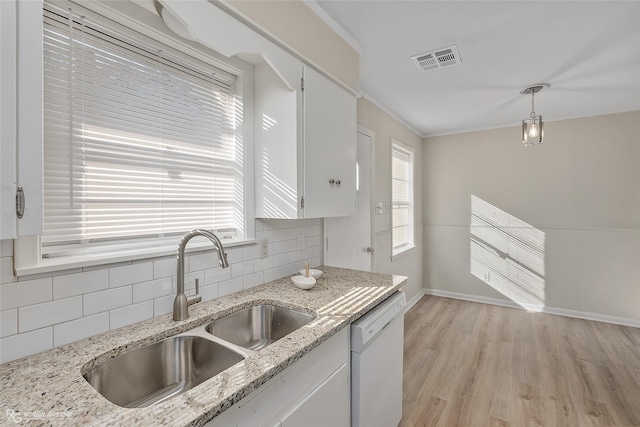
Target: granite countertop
x=48 y=388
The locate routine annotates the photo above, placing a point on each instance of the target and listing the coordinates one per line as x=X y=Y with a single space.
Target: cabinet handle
x=20 y=203
x=331 y=181
x=338 y=181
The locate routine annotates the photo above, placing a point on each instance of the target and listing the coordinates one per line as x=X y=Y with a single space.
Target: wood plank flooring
x=469 y=364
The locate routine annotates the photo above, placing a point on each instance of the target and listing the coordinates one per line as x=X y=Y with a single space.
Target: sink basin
x=256 y=327
x=154 y=373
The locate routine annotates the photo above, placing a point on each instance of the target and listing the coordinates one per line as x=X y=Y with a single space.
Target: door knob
x=370 y=250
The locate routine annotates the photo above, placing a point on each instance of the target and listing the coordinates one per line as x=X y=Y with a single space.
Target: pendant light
x=533 y=127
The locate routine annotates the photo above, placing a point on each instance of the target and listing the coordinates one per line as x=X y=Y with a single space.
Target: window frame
x=27 y=248
x=398 y=250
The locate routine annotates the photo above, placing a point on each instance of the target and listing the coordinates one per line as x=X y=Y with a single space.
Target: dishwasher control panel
x=376 y=320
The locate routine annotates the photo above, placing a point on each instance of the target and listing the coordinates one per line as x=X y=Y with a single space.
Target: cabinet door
x=329 y=132
x=21 y=122
x=327 y=405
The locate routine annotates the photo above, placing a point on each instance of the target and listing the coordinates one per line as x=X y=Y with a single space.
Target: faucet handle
x=197 y=297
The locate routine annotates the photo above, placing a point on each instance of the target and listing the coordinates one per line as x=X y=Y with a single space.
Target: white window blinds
x=402 y=198
x=137 y=142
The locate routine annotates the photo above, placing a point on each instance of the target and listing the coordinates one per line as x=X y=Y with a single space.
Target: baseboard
x=414 y=300
x=550 y=310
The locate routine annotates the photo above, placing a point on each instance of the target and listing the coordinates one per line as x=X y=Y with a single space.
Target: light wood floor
x=470 y=364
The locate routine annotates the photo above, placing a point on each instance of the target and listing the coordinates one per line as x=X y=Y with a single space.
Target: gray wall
x=581 y=187
x=385 y=128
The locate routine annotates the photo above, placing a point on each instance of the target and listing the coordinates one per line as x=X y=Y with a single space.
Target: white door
x=348 y=240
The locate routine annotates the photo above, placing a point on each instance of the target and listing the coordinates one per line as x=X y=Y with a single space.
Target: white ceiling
x=589 y=52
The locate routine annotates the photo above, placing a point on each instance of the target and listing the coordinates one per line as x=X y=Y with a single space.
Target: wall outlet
x=487 y=277
x=378 y=208
x=387 y=207
x=264 y=247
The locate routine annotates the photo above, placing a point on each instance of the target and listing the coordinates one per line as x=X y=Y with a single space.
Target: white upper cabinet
x=329 y=144
x=21 y=117
x=305 y=147
x=305 y=137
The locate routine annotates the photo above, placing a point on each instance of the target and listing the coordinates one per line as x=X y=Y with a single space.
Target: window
x=141 y=142
x=401 y=197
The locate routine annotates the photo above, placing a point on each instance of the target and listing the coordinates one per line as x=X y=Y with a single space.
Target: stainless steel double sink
x=159 y=371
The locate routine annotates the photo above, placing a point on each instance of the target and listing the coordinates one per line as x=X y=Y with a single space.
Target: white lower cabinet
x=325 y=405
x=312 y=392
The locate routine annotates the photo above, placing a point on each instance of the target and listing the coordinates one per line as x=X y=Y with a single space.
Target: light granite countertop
x=48 y=388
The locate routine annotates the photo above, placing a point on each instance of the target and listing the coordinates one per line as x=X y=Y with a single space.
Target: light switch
x=387 y=207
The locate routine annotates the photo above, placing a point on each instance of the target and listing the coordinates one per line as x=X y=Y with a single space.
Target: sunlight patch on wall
x=507 y=254
x=279 y=198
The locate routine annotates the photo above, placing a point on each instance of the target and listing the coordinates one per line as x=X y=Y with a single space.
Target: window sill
x=49 y=265
x=403 y=253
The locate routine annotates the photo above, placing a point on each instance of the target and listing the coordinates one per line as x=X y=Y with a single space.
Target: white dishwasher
x=376 y=365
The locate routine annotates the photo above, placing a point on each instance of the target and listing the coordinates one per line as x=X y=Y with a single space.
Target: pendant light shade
x=533 y=127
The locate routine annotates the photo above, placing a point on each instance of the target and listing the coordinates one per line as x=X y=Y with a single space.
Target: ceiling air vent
x=443 y=57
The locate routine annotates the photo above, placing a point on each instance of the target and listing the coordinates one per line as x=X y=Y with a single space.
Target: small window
x=141 y=142
x=402 y=197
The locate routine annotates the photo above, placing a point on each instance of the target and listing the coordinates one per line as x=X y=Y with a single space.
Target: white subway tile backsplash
x=163 y=305
x=311 y=241
x=165 y=268
x=230 y=286
x=289 y=245
x=97 y=302
x=69 y=285
x=281 y=234
x=202 y=261
x=46 y=310
x=88 y=326
x=281 y=259
x=6 y=270
x=275 y=248
x=49 y=313
x=241 y=269
x=253 y=280
x=19 y=294
x=315 y=262
x=296 y=256
x=234 y=255
x=8 y=322
x=311 y=252
x=209 y=292
x=312 y=230
x=6 y=248
x=153 y=289
x=290 y=269
x=273 y=274
x=215 y=275
x=295 y=232
x=263 y=264
x=267 y=234
x=251 y=252
x=20 y=345
x=130 y=314
x=130 y=274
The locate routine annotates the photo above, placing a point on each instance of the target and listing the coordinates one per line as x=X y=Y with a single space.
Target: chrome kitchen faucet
x=181 y=303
